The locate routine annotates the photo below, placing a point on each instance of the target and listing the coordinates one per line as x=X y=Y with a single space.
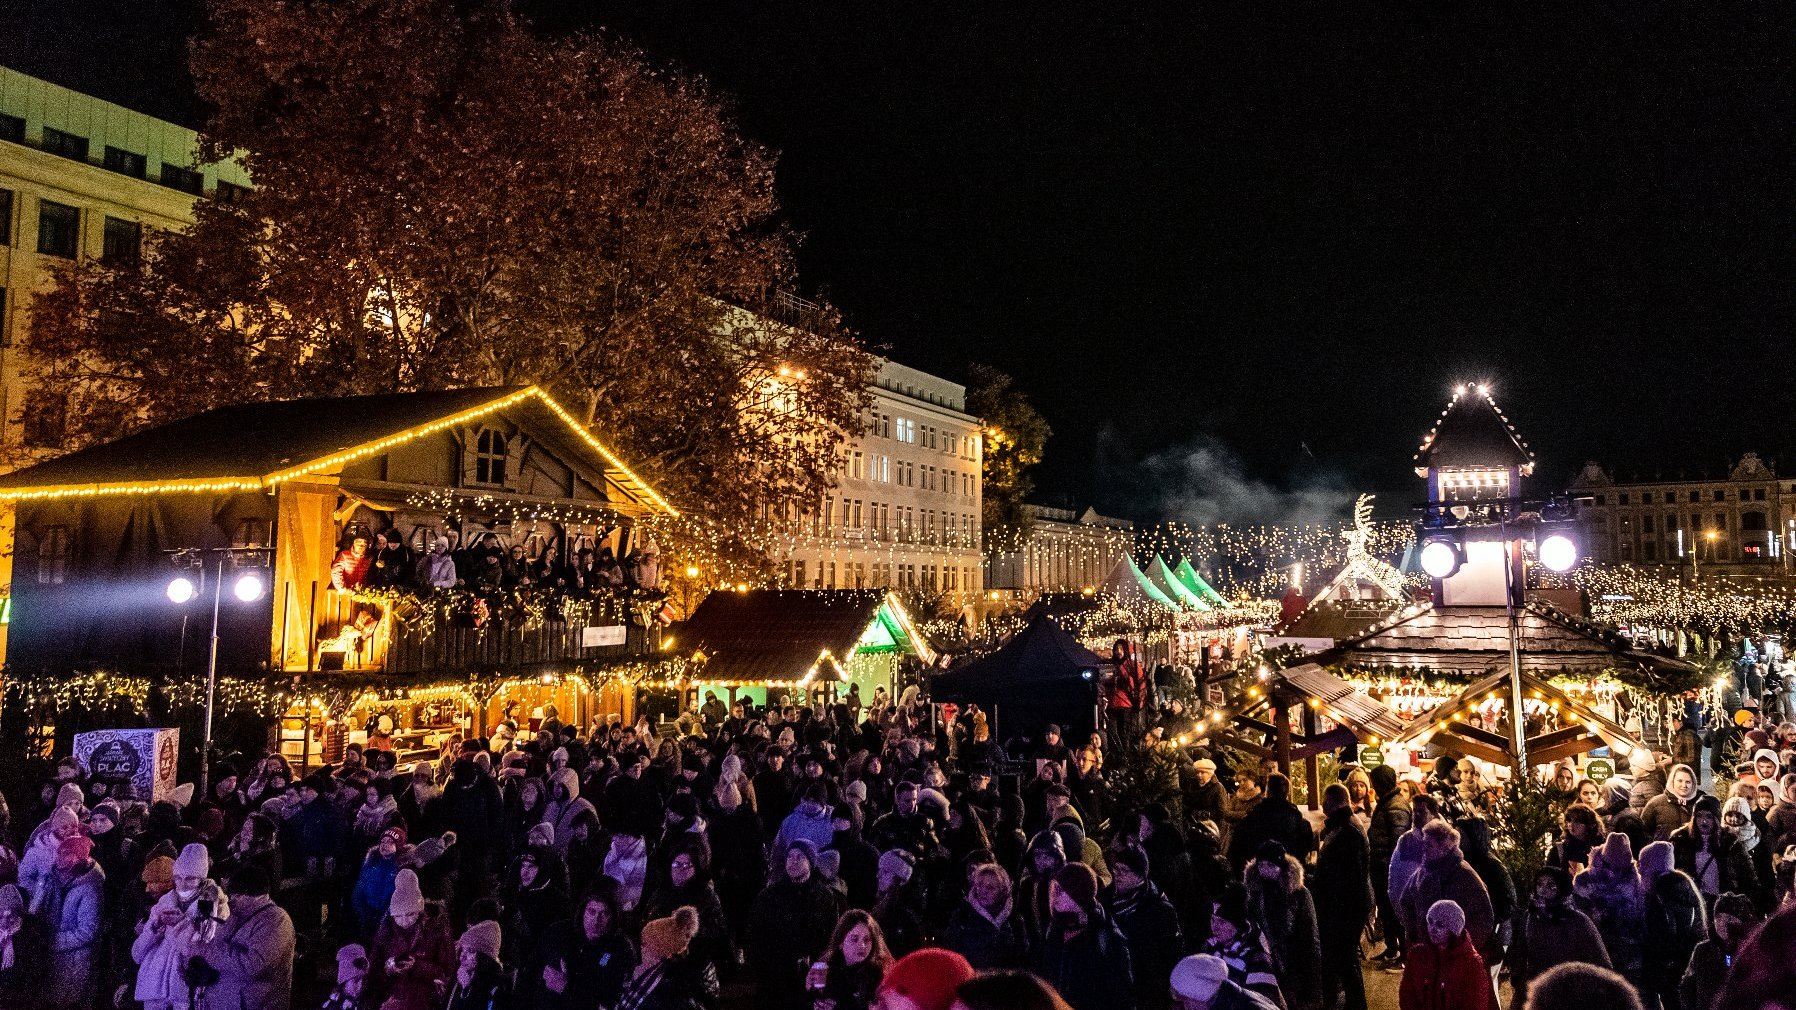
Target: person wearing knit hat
x=431 y=849
x=1083 y=956
x=1711 y=854
x=158 y=875
x=1675 y=917
x=1201 y=982
x=1443 y=968
x=541 y=834
x=480 y=981
x=668 y=937
x=407 y=901
x=481 y=939
x=896 y=867
x=924 y=980
x=352 y=979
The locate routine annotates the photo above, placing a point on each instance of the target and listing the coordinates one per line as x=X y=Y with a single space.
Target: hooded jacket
x=563 y=815
x=1610 y=892
x=1451 y=878
x=1733 y=866
x=1676 y=920
x=1668 y=811
x=1032 y=886
x=157 y=951
x=816 y=828
x=1285 y=913
x=790 y=922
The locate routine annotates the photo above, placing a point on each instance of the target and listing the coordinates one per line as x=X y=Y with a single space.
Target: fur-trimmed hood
x=1290 y=876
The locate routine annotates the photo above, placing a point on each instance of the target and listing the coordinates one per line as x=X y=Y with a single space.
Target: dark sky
x=1265 y=234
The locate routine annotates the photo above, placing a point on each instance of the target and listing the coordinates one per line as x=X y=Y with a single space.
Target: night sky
x=1240 y=251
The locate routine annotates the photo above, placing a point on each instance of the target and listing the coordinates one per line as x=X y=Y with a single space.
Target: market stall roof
x=1039 y=659
x=1581 y=728
x=258 y=445
x=796 y=635
x=1326 y=622
x=1472 y=432
x=1474 y=641
x=1163 y=579
x=1367 y=717
x=1195 y=582
x=1131 y=587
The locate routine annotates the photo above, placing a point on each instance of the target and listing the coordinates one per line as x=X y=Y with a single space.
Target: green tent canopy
x=1169 y=583
x=1130 y=586
x=1195 y=582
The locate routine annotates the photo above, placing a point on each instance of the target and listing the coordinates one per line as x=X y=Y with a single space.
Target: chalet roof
x=254 y=445
x=1473 y=432
x=1475 y=640
x=1367 y=717
x=1339 y=620
x=791 y=634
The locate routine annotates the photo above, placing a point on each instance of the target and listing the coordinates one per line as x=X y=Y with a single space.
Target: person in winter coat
x=537 y=899
x=1549 y=931
x=792 y=920
x=413 y=951
x=1446 y=876
x=1579 y=986
x=567 y=808
x=1582 y=829
x=1390 y=821
x=1707 y=972
x=1201 y=982
x=859 y=860
x=1408 y=855
x=1474 y=842
x=23 y=953
x=318 y=829
x=1276 y=819
x=1610 y=892
x=1782 y=819
x=374 y=885
x=1343 y=895
x=1711 y=854
x=1147 y=920
x=627 y=865
x=848 y=975
x=587 y=961
x=1738 y=816
x=251 y=951
x=811 y=821
x=1675 y=923
x=1443 y=971
x=1670 y=810
x=1084 y=957
x=157 y=949
x=1285 y=914
x=471 y=808
x=38 y=863
x=1044 y=859
x=984 y=928
x=689 y=885
x=73 y=913
x=257 y=843
x=480 y=981
x=1238 y=942
x=899 y=907
x=352 y=980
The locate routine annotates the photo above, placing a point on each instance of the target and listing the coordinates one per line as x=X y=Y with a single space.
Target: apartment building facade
x=80 y=178
x=904 y=513
x=1739 y=523
x=1065 y=551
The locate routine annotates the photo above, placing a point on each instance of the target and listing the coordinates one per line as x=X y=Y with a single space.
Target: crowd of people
x=484 y=564
x=823 y=858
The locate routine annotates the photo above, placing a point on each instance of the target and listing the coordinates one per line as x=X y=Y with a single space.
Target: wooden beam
x=1281 y=725
x=1260 y=751
x=1476 y=748
x=1312 y=775
x=1564 y=749
x=1332 y=740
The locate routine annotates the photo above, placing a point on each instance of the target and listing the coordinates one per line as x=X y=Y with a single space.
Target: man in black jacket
x=1084 y=957
x=1275 y=819
x=1343 y=892
x=1390 y=819
x=1148 y=921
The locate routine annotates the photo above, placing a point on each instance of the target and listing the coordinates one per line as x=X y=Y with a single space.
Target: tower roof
x=1472 y=432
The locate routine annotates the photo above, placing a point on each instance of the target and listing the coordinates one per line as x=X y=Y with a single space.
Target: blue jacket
x=373 y=890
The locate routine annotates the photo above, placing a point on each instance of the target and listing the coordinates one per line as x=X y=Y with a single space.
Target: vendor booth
x=1041 y=675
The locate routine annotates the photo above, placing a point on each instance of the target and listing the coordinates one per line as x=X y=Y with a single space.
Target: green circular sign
x=1599 y=770
x=1370 y=757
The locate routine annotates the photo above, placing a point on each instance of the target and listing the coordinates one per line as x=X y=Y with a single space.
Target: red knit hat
x=928 y=977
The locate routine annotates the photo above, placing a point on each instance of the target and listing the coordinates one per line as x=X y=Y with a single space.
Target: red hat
x=398 y=833
x=75 y=847
x=928 y=977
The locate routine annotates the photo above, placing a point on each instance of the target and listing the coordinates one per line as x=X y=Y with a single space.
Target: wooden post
x=1281 y=723
x=1311 y=772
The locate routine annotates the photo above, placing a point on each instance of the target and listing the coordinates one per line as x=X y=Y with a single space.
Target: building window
x=184 y=179
x=489 y=457
x=1649 y=552
x=65 y=144
x=45 y=420
x=1622 y=499
x=1646 y=497
x=12 y=128
x=53 y=556
x=58 y=229
x=1758 y=494
x=229 y=192
x=125 y=162
x=1696 y=496
x=5 y=217
x=1646 y=524
x=1720 y=495
x=250 y=533
x=123 y=240
x=798 y=574
x=1752 y=521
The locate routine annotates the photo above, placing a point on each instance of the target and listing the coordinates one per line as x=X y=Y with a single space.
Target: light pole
x=248 y=588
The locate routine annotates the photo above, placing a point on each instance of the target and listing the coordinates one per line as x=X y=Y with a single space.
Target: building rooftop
x=1472 y=432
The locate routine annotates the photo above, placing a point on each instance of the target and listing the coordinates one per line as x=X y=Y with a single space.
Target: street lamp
x=248 y=587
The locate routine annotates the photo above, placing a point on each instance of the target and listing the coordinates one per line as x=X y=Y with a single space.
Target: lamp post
x=248 y=588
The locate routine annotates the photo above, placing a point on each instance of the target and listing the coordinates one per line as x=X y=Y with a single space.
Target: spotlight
x=249 y=587
x=1440 y=558
x=181 y=589
x=1558 y=552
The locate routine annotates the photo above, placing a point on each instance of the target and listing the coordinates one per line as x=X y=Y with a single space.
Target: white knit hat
x=194 y=861
x=1446 y=916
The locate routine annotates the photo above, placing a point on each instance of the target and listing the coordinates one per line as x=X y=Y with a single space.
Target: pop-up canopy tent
x=1169 y=583
x=1133 y=590
x=1195 y=582
x=1041 y=675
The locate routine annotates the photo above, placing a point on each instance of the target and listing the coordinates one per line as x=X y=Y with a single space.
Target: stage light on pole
x=181 y=589
x=249 y=587
x=1439 y=559
x=1558 y=552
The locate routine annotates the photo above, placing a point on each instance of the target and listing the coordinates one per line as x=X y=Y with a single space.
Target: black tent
x=1041 y=675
